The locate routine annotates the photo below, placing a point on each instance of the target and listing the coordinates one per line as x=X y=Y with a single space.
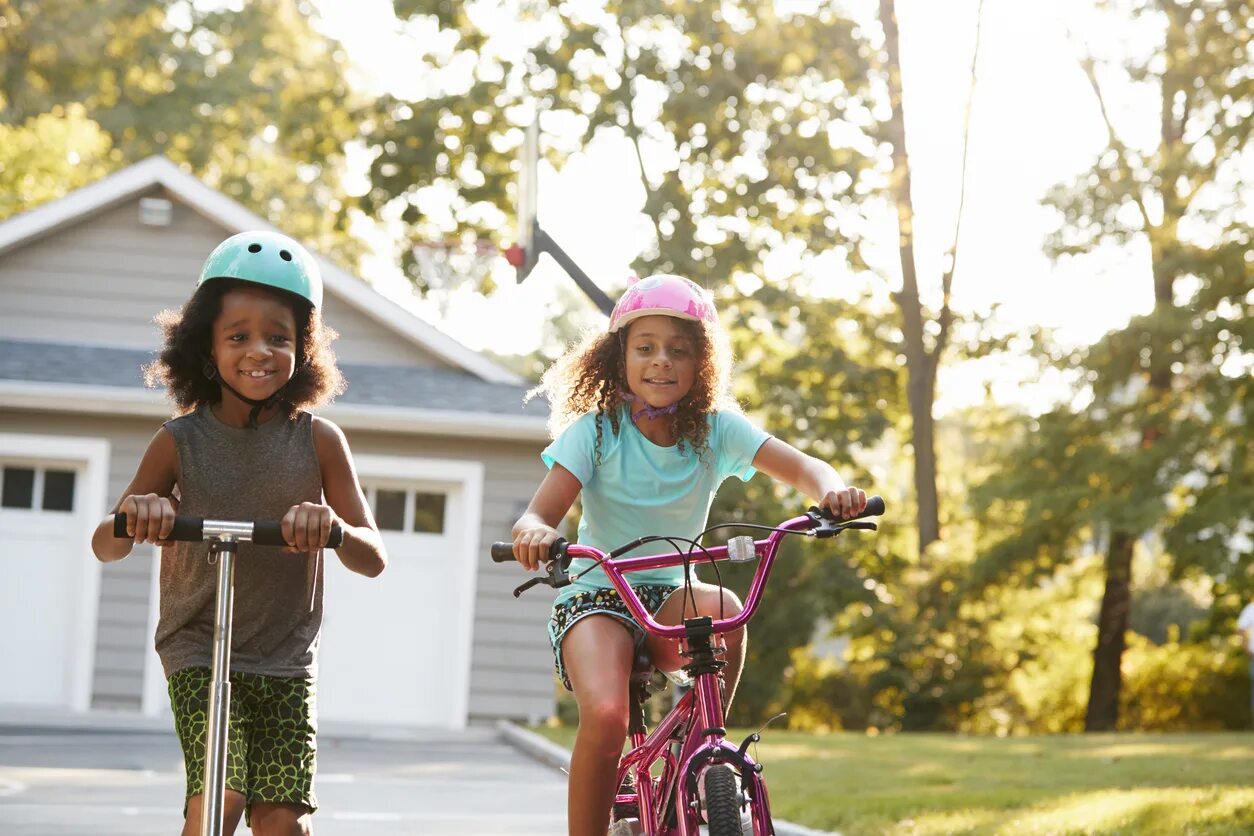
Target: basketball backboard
x=524 y=253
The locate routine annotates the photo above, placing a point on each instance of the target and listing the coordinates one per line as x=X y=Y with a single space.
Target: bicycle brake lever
x=528 y=584
x=865 y=526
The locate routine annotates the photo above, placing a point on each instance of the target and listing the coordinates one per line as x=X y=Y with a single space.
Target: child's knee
x=604 y=719
x=718 y=602
x=280 y=819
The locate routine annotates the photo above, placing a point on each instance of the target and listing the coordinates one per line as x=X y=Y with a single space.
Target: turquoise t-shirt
x=639 y=488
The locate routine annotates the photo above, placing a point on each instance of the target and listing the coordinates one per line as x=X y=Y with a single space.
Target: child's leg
x=281 y=820
x=189 y=700
x=597 y=654
x=233 y=808
x=665 y=652
x=282 y=753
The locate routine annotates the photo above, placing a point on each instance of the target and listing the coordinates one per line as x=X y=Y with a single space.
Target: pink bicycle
x=690 y=742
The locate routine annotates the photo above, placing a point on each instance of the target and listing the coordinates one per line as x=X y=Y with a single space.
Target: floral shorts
x=602 y=602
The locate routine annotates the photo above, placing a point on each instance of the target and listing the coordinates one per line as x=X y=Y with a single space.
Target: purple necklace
x=649 y=411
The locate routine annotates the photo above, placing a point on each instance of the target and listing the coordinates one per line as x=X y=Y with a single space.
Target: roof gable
x=131 y=182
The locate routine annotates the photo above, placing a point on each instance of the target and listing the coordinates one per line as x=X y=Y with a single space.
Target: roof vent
x=155 y=211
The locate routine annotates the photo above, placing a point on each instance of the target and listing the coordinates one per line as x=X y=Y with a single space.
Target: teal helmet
x=266 y=258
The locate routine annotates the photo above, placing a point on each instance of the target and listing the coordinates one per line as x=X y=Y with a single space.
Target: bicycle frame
x=697 y=720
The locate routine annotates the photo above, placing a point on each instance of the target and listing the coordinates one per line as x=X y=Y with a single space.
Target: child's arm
x=536 y=529
x=147 y=502
x=307 y=526
x=812 y=477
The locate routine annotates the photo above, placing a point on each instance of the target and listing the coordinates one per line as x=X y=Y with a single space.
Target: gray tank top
x=229 y=473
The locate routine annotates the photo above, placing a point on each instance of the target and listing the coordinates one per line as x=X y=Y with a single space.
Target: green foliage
x=749 y=164
x=48 y=156
x=1156 y=440
x=251 y=98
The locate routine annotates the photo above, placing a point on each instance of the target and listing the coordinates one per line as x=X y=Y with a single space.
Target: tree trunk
x=920 y=370
x=1112 y=626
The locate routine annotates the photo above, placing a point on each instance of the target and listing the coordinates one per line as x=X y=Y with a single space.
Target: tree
x=735 y=138
x=924 y=336
x=252 y=99
x=49 y=155
x=1160 y=425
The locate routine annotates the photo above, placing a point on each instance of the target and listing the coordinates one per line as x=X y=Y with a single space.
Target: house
x=445 y=448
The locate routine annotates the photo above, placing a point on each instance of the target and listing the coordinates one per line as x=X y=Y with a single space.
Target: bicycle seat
x=643 y=671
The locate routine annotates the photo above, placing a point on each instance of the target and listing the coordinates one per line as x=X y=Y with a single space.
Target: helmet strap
x=258 y=405
x=648 y=411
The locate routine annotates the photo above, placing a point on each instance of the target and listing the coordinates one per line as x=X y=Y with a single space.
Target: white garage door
x=48 y=576
x=396 y=648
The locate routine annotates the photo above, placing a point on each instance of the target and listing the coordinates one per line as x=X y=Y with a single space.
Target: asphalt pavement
x=56 y=782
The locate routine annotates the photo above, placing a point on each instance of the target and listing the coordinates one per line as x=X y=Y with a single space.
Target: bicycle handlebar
x=198 y=529
x=816 y=522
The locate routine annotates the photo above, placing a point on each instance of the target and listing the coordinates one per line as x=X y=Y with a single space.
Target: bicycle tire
x=722 y=804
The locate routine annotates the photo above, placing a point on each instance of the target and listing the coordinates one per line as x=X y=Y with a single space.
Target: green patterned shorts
x=270 y=744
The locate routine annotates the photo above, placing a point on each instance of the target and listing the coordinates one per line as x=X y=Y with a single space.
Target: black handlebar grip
x=874 y=507
x=189 y=529
x=502 y=552
x=270 y=533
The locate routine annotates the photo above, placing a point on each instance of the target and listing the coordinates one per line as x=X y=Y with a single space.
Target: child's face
x=660 y=360
x=254 y=342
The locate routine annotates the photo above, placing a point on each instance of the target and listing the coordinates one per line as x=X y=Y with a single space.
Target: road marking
x=10 y=787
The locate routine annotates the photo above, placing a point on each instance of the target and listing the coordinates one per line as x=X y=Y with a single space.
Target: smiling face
x=254 y=342
x=660 y=360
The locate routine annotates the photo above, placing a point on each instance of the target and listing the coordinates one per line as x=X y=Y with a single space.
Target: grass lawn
x=935 y=784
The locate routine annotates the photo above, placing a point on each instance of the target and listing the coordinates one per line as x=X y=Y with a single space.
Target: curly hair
x=591 y=377
x=188 y=333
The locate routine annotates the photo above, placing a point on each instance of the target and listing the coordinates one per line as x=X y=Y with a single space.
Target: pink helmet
x=663 y=295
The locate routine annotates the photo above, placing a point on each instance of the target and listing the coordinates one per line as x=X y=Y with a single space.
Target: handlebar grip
x=270 y=533
x=874 y=507
x=502 y=552
x=189 y=529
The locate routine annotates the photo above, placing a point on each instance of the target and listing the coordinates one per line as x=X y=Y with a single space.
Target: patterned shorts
x=270 y=746
x=603 y=602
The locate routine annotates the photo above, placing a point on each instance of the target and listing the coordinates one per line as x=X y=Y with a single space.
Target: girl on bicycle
x=646 y=430
x=244 y=360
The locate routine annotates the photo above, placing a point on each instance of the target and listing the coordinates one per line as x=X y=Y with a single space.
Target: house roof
x=90 y=379
x=135 y=180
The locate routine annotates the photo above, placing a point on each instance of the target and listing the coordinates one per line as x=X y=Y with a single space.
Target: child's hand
x=307 y=526
x=844 y=504
x=531 y=545
x=149 y=517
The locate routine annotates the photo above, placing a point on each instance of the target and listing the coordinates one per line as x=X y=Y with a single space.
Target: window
x=411 y=510
x=429 y=513
x=36 y=488
x=58 y=490
x=19 y=487
x=389 y=510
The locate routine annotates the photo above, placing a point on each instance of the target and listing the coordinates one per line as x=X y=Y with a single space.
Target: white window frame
x=89 y=458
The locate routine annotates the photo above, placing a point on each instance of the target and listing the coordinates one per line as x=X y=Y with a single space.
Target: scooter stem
x=213 y=808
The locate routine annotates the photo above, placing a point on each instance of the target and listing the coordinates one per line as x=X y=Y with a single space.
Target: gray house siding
x=102 y=281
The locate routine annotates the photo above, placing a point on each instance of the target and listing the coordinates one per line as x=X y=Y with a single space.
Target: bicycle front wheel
x=722 y=802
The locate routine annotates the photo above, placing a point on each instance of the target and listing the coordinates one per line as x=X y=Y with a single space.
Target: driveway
x=107 y=783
